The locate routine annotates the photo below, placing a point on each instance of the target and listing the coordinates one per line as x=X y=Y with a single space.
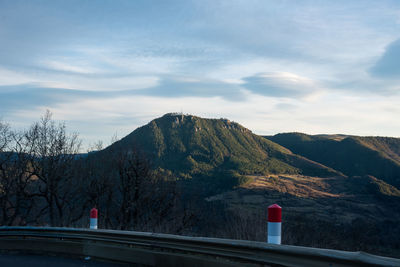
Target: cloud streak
x=259 y=63
x=281 y=84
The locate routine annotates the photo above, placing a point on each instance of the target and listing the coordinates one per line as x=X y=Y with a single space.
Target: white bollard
x=274 y=224
x=93 y=218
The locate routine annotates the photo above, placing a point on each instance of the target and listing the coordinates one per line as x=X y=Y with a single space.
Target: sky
x=108 y=67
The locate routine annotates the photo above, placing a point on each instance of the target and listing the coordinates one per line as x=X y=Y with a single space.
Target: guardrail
x=152 y=249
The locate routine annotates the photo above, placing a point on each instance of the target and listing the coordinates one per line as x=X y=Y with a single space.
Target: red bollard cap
x=93 y=213
x=274 y=213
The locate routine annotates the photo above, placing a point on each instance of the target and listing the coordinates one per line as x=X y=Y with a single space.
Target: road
x=30 y=260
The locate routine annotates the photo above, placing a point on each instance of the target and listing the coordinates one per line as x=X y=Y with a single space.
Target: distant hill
x=191 y=146
x=351 y=155
x=336 y=190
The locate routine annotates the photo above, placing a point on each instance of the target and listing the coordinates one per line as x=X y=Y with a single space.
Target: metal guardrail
x=152 y=249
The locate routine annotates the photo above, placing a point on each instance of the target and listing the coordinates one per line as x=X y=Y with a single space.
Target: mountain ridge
x=351 y=155
x=326 y=184
x=191 y=146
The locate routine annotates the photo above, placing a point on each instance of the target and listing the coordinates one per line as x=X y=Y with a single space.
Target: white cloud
x=198 y=58
x=99 y=119
x=104 y=83
x=68 y=67
x=138 y=64
x=8 y=77
x=77 y=81
x=283 y=84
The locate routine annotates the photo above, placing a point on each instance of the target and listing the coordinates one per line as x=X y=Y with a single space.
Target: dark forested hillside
x=351 y=155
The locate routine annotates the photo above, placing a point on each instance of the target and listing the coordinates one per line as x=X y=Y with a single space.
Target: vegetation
x=212 y=149
x=353 y=155
x=45 y=181
x=182 y=174
x=37 y=179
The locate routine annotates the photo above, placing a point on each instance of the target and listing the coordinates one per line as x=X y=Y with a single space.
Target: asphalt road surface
x=26 y=260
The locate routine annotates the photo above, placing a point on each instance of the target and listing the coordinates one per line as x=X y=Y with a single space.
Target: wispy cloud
x=121 y=63
x=282 y=84
x=68 y=67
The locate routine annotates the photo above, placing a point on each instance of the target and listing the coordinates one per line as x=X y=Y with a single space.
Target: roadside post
x=93 y=218
x=274 y=224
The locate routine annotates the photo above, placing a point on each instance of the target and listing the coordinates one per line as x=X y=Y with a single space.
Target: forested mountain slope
x=191 y=146
x=351 y=155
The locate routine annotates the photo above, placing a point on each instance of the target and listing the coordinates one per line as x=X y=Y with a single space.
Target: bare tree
x=6 y=184
x=5 y=137
x=129 y=193
x=43 y=180
x=15 y=181
x=100 y=186
x=97 y=146
x=133 y=172
x=53 y=154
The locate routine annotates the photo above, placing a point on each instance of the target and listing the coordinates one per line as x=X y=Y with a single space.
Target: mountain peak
x=177 y=118
x=191 y=146
x=180 y=118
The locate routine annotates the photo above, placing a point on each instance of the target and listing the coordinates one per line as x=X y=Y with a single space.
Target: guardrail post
x=274 y=224
x=93 y=218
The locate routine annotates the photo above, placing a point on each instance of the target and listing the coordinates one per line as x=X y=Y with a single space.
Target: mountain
x=336 y=190
x=191 y=146
x=351 y=155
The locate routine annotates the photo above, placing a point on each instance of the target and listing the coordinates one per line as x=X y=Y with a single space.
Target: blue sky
x=107 y=67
